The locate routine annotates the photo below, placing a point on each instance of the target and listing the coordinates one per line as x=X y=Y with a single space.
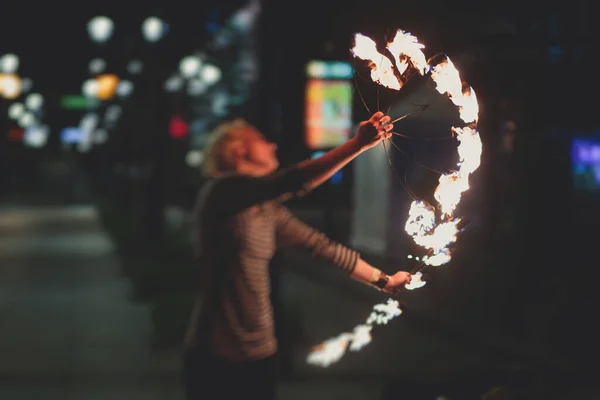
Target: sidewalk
x=68 y=330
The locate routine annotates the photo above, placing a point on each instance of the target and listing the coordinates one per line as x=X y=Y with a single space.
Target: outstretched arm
x=291 y=232
x=246 y=191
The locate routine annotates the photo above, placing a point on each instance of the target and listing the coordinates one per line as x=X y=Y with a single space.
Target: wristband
x=383 y=280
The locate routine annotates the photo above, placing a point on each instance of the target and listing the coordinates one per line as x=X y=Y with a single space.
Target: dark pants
x=207 y=377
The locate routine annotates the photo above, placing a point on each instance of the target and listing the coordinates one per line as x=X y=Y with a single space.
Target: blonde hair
x=218 y=157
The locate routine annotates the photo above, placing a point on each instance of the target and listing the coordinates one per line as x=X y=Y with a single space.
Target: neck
x=250 y=169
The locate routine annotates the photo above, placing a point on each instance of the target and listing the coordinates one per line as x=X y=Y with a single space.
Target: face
x=260 y=153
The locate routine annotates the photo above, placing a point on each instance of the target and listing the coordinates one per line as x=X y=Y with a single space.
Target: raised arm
x=291 y=232
x=370 y=133
x=245 y=191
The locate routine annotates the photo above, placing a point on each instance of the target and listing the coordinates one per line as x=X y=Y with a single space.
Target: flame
x=416 y=282
x=448 y=82
x=333 y=349
x=382 y=69
x=406 y=50
x=432 y=232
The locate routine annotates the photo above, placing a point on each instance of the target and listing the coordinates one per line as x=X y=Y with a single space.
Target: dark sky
x=52 y=42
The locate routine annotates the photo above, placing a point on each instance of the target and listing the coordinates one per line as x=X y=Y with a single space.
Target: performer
x=230 y=346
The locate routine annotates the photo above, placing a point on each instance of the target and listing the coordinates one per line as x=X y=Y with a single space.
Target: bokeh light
x=89 y=122
x=26 y=85
x=190 y=66
x=15 y=110
x=36 y=136
x=10 y=86
x=34 y=101
x=196 y=87
x=194 y=158
x=90 y=88
x=153 y=29
x=99 y=136
x=124 y=88
x=100 y=29
x=97 y=66
x=107 y=86
x=27 y=119
x=174 y=84
x=135 y=67
x=9 y=63
x=210 y=74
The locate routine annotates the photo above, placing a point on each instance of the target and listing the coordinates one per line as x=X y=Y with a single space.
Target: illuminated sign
x=329 y=70
x=328 y=104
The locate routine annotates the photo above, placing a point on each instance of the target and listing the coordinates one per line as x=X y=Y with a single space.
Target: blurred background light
x=220 y=103
x=244 y=18
x=178 y=128
x=100 y=136
x=194 y=158
x=210 y=74
x=26 y=84
x=135 y=67
x=124 y=88
x=174 y=84
x=10 y=86
x=196 y=87
x=113 y=112
x=153 y=29
x=76 y=102
x=107 y=86
x=100 y=29
x=9 y=63
x=34 y=101
x=26 y=119
x=190 y=66
x=36 y=136
x=89 y=122
x=85 y=144
x=97 y=66
x=15 y=110
x=71 y=134
x=15 y=134
x=90 y=88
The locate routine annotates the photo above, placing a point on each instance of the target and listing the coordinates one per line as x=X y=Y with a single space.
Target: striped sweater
x=240 y=224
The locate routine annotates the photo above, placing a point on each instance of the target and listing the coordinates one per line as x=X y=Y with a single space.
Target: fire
x=382 y=69
x=432 y=230
x=333 y=349
x=406 y=50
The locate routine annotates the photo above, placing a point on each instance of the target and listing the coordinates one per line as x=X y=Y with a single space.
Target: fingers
x=376 y=117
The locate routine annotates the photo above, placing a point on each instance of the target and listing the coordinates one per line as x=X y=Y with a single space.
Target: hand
x=373 y=131
x=397 y=282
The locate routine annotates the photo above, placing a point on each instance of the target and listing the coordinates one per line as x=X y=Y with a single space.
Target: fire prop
x=432 y=231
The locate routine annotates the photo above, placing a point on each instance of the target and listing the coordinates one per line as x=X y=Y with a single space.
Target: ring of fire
x=432 y=231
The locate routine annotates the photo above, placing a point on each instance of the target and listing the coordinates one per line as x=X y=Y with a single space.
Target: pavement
x=68 y=326
x=70 y=330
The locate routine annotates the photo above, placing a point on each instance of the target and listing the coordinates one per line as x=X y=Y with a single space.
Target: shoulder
x=216 y=193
